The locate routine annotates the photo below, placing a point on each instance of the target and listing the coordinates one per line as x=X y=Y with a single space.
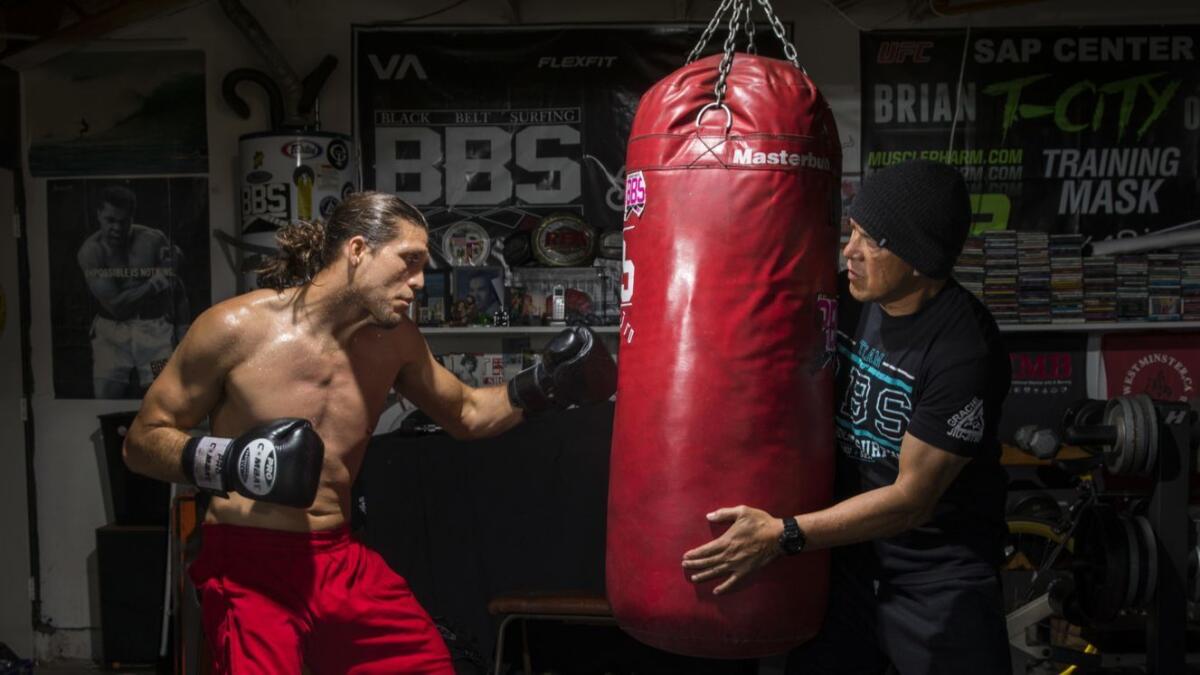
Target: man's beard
x=382 y=316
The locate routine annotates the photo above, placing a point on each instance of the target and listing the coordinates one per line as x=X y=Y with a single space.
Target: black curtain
x=466 y=521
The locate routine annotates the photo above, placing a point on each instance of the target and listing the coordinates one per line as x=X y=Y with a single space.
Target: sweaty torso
x=286 y=371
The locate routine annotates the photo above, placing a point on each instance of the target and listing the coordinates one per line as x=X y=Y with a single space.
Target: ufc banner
x=504 y=126
x=1089 y=130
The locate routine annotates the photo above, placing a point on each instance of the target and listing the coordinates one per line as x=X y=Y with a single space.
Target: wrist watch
x=792 y=540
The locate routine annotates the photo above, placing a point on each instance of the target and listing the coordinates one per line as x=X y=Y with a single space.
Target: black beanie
x=918 y=210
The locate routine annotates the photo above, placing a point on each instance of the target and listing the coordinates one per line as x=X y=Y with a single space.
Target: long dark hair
x=306 y=247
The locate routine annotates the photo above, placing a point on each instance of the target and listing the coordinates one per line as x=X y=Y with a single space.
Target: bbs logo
x=266 y=199
x=480 y=165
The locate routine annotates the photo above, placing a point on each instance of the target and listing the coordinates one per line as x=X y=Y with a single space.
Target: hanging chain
x=751 y=48
x=789 y=49
x=735 y=21
x=708 y=32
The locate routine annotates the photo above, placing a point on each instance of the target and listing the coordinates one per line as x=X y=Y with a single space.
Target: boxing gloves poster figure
x=293 y=378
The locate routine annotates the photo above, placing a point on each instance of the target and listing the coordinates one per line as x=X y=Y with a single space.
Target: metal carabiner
x=728 y=115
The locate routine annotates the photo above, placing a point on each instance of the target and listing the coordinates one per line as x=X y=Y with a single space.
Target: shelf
x=1097 y=326
x=510 y=330
x=1094 y=327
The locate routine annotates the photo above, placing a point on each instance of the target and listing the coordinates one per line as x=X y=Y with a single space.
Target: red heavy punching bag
x=726 y=379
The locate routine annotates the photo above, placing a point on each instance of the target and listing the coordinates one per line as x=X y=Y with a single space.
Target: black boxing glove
x=278 y=462
x=575 y=369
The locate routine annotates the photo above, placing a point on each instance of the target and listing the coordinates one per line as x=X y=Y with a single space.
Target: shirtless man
x=293 y=379
x=131 y=271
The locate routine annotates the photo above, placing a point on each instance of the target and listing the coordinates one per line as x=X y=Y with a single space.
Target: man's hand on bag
x=750 y=543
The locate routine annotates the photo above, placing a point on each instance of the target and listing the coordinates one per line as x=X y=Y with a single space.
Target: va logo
x=397 y=67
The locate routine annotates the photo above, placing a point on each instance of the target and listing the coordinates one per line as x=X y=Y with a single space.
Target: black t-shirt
x=940 y=374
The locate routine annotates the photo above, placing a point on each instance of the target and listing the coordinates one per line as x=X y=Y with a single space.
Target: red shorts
x=273 y=600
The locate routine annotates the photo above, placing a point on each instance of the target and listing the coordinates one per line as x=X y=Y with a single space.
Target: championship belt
x=516 y=249
x=612 y=244
x=466 y=244
x=564 y=240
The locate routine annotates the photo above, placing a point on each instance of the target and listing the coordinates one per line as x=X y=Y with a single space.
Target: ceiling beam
x=949 y=8
x=91 y=28
x=514 y=10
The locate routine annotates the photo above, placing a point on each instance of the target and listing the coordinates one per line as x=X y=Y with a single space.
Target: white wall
x=70 y=501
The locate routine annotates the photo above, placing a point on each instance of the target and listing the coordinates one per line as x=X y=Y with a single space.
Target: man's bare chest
x=341 y=392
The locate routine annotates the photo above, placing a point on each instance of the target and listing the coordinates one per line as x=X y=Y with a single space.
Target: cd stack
x=970 y=266
x=1066 y=278
x=1033 y=277
x=1132 y=288
x=1000 y=276
x=1189 y=262
x=1100 y=288
x=1165 y=286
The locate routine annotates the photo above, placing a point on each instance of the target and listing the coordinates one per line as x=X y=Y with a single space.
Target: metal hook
x=728 y=115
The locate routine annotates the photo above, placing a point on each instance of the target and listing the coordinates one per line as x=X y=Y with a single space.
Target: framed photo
x=478 y=294
x=433 y=300
x=532 y=293
x=481 y=370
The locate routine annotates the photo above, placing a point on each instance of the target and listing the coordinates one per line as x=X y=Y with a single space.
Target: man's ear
x=356 y=248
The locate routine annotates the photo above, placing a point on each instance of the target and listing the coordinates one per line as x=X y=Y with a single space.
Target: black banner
x=1090 y=130
x=1049 y=373
x=504 y=126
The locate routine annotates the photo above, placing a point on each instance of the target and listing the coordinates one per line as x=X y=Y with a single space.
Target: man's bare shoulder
x=236 y=325
x=153 y=234
x=90 y=252
x=403 y=342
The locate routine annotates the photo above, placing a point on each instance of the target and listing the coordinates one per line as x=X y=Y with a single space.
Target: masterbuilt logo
x=1161 y=376
x=748 y=157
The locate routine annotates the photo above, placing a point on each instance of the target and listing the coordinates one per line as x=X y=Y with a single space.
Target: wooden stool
x=564 y=606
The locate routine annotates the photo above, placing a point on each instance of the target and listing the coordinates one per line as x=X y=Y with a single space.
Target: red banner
x=1166 y=366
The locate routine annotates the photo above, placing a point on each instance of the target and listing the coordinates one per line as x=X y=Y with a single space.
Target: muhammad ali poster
x=501 y=127
x=129 y=271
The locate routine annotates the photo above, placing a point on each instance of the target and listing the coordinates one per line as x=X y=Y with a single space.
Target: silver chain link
x=735 y=24
x=709 y=30
x=789 y=49
x=751 y=48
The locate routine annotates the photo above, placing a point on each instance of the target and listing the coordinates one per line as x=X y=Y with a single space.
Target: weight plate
x=1119 y=414
x=1136 y=452
x=1115 y=419
x=1150 y=415
x=1137 y=457
x=1133 y=422
x=1133 y=546
x=1149 y=561
x=1101 y=563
